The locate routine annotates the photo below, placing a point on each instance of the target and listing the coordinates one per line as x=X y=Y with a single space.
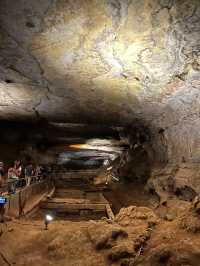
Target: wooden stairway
x=75 y=197
x=71 y=204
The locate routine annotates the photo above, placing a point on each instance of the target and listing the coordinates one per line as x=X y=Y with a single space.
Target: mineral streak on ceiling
x=96 y=61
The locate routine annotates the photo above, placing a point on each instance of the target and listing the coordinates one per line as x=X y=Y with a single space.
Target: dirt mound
x=136 y=216
x=116 y=244
x=175 y=242
x=122 y=241
x=173 y=255
x=190 y=220
x=104 y=235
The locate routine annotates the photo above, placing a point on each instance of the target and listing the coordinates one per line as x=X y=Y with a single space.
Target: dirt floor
x=137 y=236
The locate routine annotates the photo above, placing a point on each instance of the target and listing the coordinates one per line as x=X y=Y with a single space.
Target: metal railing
x=11 y=186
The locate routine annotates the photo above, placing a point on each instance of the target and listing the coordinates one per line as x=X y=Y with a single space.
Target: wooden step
x=67 y=193
x=68 y=206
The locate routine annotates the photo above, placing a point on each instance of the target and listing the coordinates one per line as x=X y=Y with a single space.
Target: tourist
x=12 y=180
x=29 y=171
x=18 y=171
x=18 y=167
x=38 y=172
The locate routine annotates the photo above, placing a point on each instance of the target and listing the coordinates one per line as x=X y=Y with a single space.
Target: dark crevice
x=8 y=81
x=30 y=24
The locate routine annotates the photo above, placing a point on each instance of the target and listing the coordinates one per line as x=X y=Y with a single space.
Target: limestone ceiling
x=106 y=61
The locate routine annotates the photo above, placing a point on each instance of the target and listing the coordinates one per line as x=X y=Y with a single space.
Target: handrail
x=12 y=185
x=75 y=171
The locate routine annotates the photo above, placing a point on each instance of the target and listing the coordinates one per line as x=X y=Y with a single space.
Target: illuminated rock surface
x=108 y=60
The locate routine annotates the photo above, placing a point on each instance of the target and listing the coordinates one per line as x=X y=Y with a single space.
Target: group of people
x=19 y=175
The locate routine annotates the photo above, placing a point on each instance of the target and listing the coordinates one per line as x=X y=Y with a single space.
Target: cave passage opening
x=118 y=158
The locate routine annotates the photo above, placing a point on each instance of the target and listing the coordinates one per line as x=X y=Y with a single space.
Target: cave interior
x=109 y=90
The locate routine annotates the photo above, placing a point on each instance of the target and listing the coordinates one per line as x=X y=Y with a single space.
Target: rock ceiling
x=97 y=61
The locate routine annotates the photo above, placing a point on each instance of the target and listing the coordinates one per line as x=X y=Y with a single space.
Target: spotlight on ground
x=47 y=220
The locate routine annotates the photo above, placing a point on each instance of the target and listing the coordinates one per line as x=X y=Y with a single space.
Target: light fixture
x=47 y=220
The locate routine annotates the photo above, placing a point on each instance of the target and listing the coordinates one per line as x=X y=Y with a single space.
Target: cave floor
x=136 y=237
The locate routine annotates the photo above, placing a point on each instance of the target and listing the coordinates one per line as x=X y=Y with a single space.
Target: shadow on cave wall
x=146 y=150
x=138 y=161
x=137 y=167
